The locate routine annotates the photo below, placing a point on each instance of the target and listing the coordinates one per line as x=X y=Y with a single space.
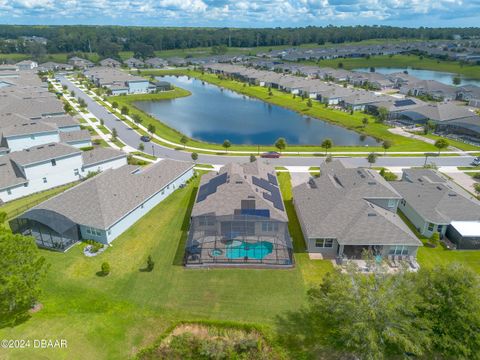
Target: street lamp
x=153 y=150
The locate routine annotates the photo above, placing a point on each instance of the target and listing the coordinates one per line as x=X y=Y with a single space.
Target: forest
x=108 y=41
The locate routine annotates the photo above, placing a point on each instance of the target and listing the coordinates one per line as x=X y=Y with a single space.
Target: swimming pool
x=257 y=250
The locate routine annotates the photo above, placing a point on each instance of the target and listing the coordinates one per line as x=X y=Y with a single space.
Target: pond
x=213 y=114
x=440 y=76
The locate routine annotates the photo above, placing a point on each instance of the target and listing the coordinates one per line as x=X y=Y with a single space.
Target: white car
x=476 y=161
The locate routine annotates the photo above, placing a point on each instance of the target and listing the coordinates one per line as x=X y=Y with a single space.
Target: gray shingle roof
x=437 y=202
x=43 y=153
x=99 y=155
x=338 y=206
x=9 y=173
x=28 y=127
x=103 y=200
x=73 y=136
x=239 y=186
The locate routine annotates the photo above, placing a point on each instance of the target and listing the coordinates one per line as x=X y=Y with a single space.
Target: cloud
x=241 y=12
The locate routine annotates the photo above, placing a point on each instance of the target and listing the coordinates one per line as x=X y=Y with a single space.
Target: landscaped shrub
x=105 y=269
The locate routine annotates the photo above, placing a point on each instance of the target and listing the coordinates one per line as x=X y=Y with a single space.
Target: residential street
x=131 y=138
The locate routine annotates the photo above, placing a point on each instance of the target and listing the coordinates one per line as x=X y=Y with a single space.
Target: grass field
x=113 y=317
x=404 y=61
x=341 y=118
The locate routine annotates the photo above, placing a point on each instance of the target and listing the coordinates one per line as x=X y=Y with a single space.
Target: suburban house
x=432 y=203
x=156 y=63
x=119 y=82
x=432 y=88
x=110 y=62
x=47 y=166
x=471 y=94
x=103 y=207
x=27 y=65
x=53 y=66
x=134 y=63
x=80 y=63
x=348 y=210
x=239 y=219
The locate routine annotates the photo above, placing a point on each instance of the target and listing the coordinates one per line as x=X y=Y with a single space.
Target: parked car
x=270 y=155
x=476 y=161
x=145 y=138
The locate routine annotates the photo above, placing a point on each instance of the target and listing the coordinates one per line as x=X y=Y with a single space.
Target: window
x=403 y=202
x=54 y=162
x=93 y=231
x=44 y=180
x=206 y=221
x=324 y=243
x=439 y=228
x=391 y=203
x=76 y=172
x=268 y=226
x=9 y=191
x=398 y=250
x=431 y=227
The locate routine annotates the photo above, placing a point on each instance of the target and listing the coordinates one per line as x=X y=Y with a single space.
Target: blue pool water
x=256 y=250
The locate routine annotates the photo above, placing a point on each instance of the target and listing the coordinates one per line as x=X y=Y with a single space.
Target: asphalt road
x=131 y=138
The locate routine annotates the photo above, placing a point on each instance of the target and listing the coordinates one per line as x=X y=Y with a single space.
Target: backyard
x=116 y=316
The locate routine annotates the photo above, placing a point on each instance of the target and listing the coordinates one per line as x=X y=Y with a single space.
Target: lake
x=213 y=114
x=443 y=77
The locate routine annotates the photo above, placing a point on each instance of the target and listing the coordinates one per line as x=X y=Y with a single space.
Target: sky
x=243 y=13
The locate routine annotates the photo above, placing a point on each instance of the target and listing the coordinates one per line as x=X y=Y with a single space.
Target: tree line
x=109 y=40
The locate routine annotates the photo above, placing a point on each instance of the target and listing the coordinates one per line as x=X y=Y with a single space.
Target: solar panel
x=211 y=187
x=274 y=195
x=272 y=179
x=406 y=102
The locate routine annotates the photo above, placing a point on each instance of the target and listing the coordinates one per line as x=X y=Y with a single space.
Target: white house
x=47 y=166
x=102 y=207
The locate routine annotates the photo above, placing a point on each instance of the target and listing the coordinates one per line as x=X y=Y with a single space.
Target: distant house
x=239 y=219
x=53 y=66
x=432 y=88
x=163 y=86
x=156 y=63
x=103 y=207
x=471 y=94
x=134 y=63
x=110 y=62
x=119 y=82
x=434 y=204
x=177 y=61
x=46 y=166
x=80 y=63
x=346 y=211
x=27 y=65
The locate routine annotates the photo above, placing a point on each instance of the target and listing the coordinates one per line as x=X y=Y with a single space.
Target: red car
x=270 y=155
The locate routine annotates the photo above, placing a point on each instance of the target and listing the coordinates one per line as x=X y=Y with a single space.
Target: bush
x=86 y=148
x=96 y=246
x=105 y=269
x=150 y=263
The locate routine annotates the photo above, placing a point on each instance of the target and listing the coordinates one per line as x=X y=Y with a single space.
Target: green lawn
x=115 y=316
x=404 y=61
x=353 y=122
x=458 y=144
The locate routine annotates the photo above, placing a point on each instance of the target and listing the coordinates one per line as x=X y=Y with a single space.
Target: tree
x=102 y=122
x=115 y=105
x=309 y=102
x=114 y=134
x=327 y=144
x=22 y=271
x=368 y=317
x=387 y=144
x=226 y=144
x=451 y=306
x=124 y=110
x=372 y=158
x=476 y=187
x=151 y=128
x=194 y=156
x=141 y=147
x=340 y=65
x=137 y=119
x=150 y=263
x=219 y=50
x=253 y=158
x=281 y=144
x=457 y=80
x=105 y=270
x=365 y=122
x=67 y=107
x=184 y=140
x=429 y=126
x=441 y=144
x=435 y=239
x=382 y=114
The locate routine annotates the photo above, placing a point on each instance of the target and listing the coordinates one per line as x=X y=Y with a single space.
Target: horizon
x=242 y=14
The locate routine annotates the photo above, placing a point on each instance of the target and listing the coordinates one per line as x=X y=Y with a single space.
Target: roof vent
x=452 y=194
x=371 y=214
x=439 y=188
x=372 y=183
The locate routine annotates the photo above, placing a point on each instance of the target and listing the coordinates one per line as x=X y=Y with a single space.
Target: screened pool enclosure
x=238 y=240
